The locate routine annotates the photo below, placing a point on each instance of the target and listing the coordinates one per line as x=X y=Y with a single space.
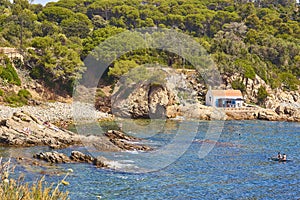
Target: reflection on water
x=237 y=168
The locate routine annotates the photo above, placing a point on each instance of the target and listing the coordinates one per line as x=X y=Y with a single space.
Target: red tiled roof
x=227 y=93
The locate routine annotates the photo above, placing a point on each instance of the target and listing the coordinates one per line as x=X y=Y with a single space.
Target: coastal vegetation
x=249 y=38
x=19 y=99
x=8 y=73
x=12 y=189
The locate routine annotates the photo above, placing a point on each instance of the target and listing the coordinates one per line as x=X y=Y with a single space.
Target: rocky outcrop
x=182 y=95
x=53 y=157
x=151 y=98
x=288 y=112
x=102 y=162
x=285 y=104
x=267 y=114
x=76 y=157
x=144 y=101
x=103 y=104
x=125 y=142
x=201 y=112
x=280 y=105
x=23 y=129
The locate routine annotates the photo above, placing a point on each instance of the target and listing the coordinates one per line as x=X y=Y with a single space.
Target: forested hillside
x=261 y=37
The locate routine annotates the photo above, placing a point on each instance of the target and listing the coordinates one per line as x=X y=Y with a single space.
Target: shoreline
x=25 y=127
x=61 y=114
x=53 y=112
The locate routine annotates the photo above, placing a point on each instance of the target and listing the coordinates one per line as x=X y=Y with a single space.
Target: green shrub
x=289 y=81
x=275 y=83
x=100 y=93
x=36 y=72
x=262 y=94
x=19 y=99
x=121 y=67
x=13 y=99
x=9 y=73
x=246 y=68
x=24 y=93
x=1 y=92
x=238 y=85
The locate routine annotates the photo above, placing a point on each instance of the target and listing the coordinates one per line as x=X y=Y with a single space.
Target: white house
x=224 y=98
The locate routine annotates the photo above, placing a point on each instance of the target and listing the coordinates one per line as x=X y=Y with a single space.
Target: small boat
x=279 y=160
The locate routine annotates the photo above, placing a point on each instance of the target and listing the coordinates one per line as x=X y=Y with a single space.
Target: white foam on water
x=133 y=152
x=118 y=165
x=127 y=161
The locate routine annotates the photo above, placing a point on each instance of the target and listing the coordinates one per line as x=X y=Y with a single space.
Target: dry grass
x=11 y=189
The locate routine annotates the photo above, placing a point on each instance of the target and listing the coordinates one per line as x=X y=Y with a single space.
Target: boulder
x=151 y=98
x=131 y=102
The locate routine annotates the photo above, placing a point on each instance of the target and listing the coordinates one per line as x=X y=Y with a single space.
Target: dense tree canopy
x=260 y=37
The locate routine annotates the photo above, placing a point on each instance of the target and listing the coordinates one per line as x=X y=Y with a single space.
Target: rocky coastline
x=26 y=130
x=201 y=112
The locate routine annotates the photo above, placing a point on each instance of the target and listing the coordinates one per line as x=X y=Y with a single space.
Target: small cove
x=240 y=170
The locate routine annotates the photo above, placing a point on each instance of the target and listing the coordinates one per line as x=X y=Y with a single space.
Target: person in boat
x=279 y=156
x=283 y=157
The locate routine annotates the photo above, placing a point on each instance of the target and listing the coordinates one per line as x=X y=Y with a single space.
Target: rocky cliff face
x=148 y=99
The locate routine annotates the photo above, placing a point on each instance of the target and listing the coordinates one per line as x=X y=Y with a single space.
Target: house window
x=210 y=99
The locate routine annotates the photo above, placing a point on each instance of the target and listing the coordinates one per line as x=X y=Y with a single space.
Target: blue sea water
x=238 y=167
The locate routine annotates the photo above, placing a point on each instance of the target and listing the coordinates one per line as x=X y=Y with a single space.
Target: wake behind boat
x=279 y=160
